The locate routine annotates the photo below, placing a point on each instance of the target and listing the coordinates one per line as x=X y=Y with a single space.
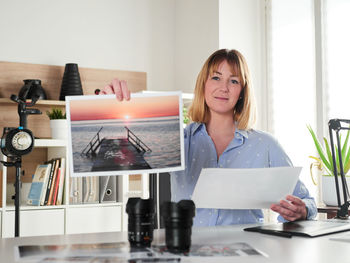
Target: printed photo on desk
x=111 y=137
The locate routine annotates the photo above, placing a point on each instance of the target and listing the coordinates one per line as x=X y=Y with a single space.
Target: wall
x=242 y=27
x=196 y=37
x=113 y=34
x=168 y=39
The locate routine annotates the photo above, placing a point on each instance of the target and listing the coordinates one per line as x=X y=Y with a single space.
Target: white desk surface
x=278 y=249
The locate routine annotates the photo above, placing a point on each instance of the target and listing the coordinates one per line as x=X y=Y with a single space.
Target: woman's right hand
x=119 y=88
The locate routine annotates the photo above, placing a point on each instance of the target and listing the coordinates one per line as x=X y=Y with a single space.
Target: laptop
x=306 y=228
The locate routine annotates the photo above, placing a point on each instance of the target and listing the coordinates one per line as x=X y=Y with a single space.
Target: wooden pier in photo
x=114 y=154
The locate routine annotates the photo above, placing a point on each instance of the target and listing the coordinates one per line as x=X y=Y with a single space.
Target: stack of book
x=48 y=183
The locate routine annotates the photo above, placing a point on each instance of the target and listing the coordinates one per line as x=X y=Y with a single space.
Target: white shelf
x=28 y=207
x=50 y=143
x=107 y=204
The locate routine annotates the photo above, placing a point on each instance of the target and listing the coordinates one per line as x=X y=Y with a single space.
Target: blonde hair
x=244 y=111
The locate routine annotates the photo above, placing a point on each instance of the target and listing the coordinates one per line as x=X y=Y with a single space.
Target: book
x=37 y=188
x=59 y=199
x=55 y=190
x=53 y=182
x=49 y=183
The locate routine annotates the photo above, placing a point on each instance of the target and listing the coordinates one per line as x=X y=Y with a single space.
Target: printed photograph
x=111 y=137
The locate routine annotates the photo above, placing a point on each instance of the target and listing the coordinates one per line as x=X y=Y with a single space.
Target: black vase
x=71 y=83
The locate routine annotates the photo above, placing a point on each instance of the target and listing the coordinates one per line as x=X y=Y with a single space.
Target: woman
x=221 y=135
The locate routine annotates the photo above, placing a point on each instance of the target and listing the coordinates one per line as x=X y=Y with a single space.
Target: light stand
x=16 y=142
x=335 y=125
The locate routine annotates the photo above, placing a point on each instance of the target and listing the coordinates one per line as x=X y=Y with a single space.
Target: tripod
x=16 y=142
x=17 y=162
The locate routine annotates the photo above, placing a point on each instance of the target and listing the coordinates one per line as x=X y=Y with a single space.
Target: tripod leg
x=17 y=198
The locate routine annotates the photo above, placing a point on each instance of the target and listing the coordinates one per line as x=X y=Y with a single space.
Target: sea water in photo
x=161 y=135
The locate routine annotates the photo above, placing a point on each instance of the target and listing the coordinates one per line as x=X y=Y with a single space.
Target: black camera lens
x=178 y=219
x=140 y=222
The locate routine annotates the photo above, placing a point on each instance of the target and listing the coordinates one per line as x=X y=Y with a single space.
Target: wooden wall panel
x=11 y=81
x=12 y=75
x=38 y=124
x=29 y=163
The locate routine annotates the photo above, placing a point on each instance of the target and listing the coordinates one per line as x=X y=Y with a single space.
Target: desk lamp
x=335 y=125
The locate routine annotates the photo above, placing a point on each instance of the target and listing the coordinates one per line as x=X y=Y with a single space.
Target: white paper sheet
x=252 y=188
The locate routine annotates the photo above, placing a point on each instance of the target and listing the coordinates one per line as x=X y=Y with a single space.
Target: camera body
x=16 y=142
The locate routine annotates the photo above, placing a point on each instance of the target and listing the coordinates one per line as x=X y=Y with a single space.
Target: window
x=336 y=22
x=291 y=79
x=307 y=43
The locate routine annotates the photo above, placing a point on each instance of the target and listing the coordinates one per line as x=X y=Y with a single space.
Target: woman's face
x=222 y=90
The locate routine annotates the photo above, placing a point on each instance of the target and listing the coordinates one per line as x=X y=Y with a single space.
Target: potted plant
x=325 y=164
x=58 y=123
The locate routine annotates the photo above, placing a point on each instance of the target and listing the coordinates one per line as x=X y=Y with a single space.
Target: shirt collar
x=198 y=126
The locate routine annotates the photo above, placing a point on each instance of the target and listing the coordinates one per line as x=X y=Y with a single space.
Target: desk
x=278 y=249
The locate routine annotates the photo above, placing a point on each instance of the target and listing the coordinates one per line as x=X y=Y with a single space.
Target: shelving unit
x=66 y=218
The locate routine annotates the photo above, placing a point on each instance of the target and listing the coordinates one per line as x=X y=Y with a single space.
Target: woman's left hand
x=293 y=210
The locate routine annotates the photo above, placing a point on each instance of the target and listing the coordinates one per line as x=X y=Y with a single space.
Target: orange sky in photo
x=139 y=107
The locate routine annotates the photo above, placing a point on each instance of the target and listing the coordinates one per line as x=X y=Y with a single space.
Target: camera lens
x=178 y=219
x=140 y=222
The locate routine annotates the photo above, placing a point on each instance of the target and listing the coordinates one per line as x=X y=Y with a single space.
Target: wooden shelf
x=39 y=102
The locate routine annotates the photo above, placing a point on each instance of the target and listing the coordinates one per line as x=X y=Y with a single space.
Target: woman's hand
x=119 y=88
x=293 y=210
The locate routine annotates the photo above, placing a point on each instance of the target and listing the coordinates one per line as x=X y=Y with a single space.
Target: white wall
x=168 y=39
x=242 y=27
x=196 y=37
x=113 y=34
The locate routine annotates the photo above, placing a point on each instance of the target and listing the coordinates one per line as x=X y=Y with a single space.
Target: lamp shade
x=71 y=83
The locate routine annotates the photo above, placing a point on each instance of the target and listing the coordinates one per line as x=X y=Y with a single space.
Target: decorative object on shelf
x=71 y=83
x=324 y=163
x=58 y=123
x=32 y=90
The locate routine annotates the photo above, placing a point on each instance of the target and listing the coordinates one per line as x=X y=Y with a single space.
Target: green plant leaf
x=346 y=158
x=55 y=114
x=186 y=118
x=329 y=154
x=345 y=146
x=319 y=148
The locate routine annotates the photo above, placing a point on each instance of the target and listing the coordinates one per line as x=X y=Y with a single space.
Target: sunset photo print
x=111 y=137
